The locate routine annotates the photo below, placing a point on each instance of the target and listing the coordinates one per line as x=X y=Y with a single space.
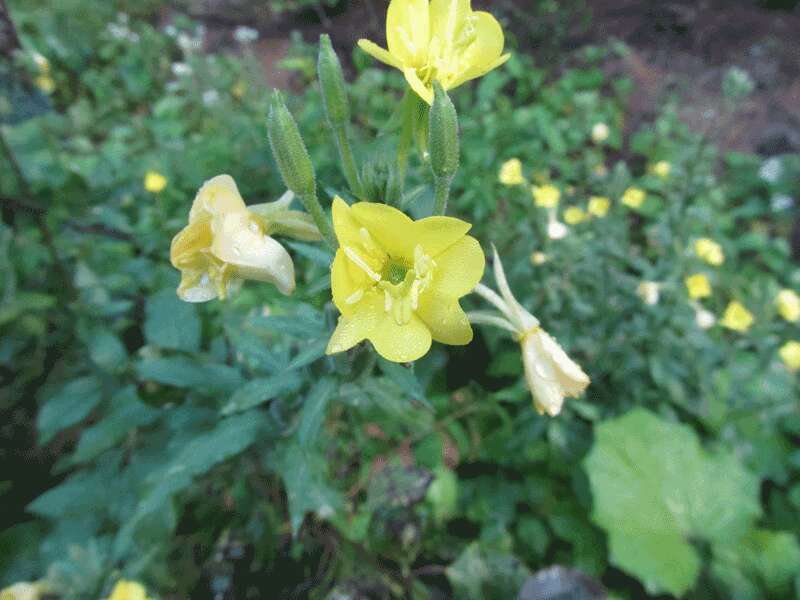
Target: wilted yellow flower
x=539 y=258
x=128 y=590
x=226 y=243
x=737 y=317
x=397 y=282
x=788 y=305
x=574 y=215
x=22 y=591
x=790 y=355
x=698 y=286
x=709 y=251
x=546 y=196
x=633 y=197
x=440 y=40
x=45 y=83
x=154 y=182
x=600 y=133
x=662 y=169
x=598 y=206
x=511 y=172
x=649 y=292
x=551 y=374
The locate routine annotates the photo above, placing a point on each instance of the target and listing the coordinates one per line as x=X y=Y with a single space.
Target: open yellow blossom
x=397 y=282
x=737 y=317
x=439 y=40
x=662 y=169
x=574 y=215
x=598 y=206
x=633 y=197
x=600 y=133
x=128 y=590
x=511 y=172
x=154 y=182
x=546 y=196
x=551 y=374
x=226 y=242
x=788 y=303
x=698 y=286
x=709 y=251
x=790 y=355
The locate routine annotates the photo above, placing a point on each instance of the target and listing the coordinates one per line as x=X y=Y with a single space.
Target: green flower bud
x=379 y=181
x=331 y=80
x=289 y=150
x=443 y=135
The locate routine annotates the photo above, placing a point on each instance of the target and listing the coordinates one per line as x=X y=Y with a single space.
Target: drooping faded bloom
x=600 y=133
x=128 y=590
x=551 y=374
x=397 y=282
x=737 y=317
x=788 y=303
x=227 y=242
x=439 y=40
x=709 y=251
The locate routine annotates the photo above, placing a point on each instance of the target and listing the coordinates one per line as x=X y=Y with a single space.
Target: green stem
x=348 y=161
x=314 y=208
x=406 y=135
x=442 y=193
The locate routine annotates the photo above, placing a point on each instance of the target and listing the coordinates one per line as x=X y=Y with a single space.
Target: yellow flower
x=45 y=83
x=440 y=40
x=511 y=172
x=128 y=590
x=662 y=168
x=709 y=251
x=790 y=355
x=546 y=196
x=698 y=286
x=737 y=317
x=154 y=182
x=598 y=206
x=397 y=282
x=574 y=215
x=649 y=292
x=551 y=374
x=539 y=258
x=226 y=243
x=633 y=197
x=600 y=133
x=788 y=305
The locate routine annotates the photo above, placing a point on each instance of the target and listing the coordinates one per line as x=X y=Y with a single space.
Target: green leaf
x=308 y=354
x=69 y=406
x=314 y=408
x=171 y=323
x=256 y=392
x=655 y=488
x=482 y=574
x=185 y=373
x=107 y=351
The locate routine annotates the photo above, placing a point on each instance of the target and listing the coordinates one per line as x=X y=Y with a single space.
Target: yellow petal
x=389 y=227
x=187 y=245
x=437 y=234
x=407 y=31
x=448 y=17
x=217 y=196
x=460 y=268
x=381 y=54
x=423 y=91
x=445 y=318
x=347 y=281
x=400 y=343
x=196 y=286
x=486 y=51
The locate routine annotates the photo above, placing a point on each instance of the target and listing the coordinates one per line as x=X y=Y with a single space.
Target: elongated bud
x=443 y=135
x=289 y=150
x=331 y=81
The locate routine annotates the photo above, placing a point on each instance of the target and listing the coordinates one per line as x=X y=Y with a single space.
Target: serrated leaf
x=256 y=392
x=655 y=488
x=171 y=323
x=70 y=405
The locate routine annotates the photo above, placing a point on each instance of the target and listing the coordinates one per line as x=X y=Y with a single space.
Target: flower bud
x=331 y=80
x=380 y=182
x=289 y=151
x=443 y=135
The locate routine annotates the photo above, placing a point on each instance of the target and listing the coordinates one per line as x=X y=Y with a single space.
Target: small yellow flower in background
x=546 y=196
x=397 y=282
x=551 y=374
x=440 y=40
x=574 y=215
x=22 y=591
x=600 y=133
x=539 y=258
x=662 y=169
x=698 y=286
x=598 y=206
x=737 y=317
x=45 y=83
x=709 y=251
x=511 y=172
x=790 y=355
x=239 y=89
x=788 y=303
x=128 y=590
x=225 y=243
x=649 y=292
x=154 y=182
x=633 y=197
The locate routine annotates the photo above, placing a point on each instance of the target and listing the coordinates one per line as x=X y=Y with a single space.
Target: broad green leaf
x=106 y=351
x=655 y=488
x=171 y=323
x=186 y=373
x=257 y=391
x=70 y=405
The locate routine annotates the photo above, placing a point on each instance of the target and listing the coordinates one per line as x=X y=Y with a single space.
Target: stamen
x=355 y=297
x=361 y=263
x=387 y=301
x=415 y=294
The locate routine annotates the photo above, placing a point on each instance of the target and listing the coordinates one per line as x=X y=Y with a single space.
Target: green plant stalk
x=348 y=161
x=314 y=208
x=441 y=187
x=409 y=103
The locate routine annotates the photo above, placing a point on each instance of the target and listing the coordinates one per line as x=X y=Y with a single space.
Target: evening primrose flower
x=698 y=286
x=788 y=303
x=600 y=133
x=128 y=590
x=551 y=375
x=154 y=182
x=226 y=242
x=546 y=196
x=709 y=251
x=737 y=317
x=633 y=197
x=440 y=40
x=649 y=292
x=598 y=206
x=662 y=169
x=396 y=282
x=511 y=172
x=790 y=355
x=574 y=215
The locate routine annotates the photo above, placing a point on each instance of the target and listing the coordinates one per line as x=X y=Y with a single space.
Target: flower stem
x=349 y=168
x=442 y=193
x=406 y=135
x=314 y=208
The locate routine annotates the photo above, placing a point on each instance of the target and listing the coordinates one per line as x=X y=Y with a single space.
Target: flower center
x=394 y=271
